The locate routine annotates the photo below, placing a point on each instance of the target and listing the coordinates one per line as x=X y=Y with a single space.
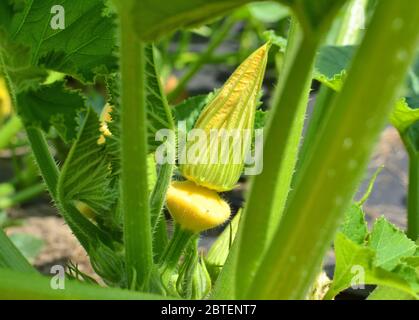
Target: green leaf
x=28 y=245
x=355 y=263
x=403 y=116
x=52 y=105
x=17 y=65
x=82 y=49
x=354 y=226
x=268 y=12
x=190 y=109
x=159 y=115
x=331 y=65
x=85 y=176
x=390 y=245
x=388 y=293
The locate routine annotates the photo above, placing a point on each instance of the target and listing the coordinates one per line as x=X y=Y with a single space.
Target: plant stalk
x=135 y=197
x=329 y=177
x=269 y=190
x=413 y=197
x=44 y=159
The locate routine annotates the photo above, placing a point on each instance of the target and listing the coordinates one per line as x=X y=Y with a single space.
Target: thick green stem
x=135 y=197
x=329 y=178
x=170 y=258
x=270 y=189
x=9 y=130
x=158 y=221
x=413 y=197
x=216 y=39
x=44 y=159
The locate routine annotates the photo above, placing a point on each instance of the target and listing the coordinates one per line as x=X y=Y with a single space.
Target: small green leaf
x=268 y=12
x=348 y=255
x=159 y=115
x=190 y=109
x=354 y=226
x=403 y=116
x=331 y=65
x=390 y=245
x=52 y=105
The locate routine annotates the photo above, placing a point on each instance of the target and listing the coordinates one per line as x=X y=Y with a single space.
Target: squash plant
x=111 y=192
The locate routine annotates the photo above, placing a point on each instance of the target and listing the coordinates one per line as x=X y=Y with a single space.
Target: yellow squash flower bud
x=229 y=114
x=5 y=101
x=196 y=208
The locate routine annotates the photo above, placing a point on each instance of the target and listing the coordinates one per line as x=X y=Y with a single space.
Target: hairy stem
x=329 y=177
x=413 y=197
x=270 y=189
x=135 y=197
x=44 y=159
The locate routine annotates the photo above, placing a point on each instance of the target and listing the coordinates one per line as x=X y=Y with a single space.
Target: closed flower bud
x=227 y=124
x=196 y=208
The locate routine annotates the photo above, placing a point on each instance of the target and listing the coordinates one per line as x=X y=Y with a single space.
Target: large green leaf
x=51 y=105
x=15 y=63
x=383 y=257
x=390 y=245
x=354 y=260
x=159 y=115
x=85 y=176
x=82 y=49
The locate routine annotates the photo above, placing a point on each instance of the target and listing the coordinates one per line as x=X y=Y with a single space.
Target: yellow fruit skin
x=196 y=208
x=5 y=101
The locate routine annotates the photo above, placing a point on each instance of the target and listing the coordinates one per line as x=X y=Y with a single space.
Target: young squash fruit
x=196 y=208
